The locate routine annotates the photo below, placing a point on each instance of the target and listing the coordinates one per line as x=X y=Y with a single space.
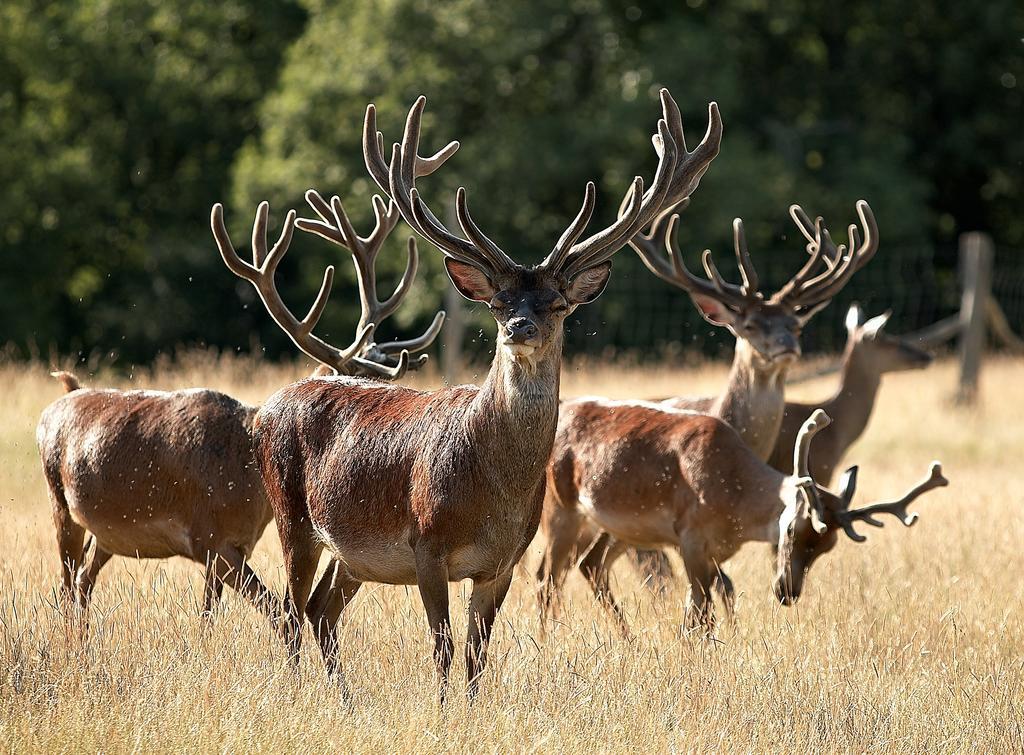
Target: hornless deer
x=427 y=488
x=870 y=353
x=154 y=474
x=648 y=475
x=767 y=334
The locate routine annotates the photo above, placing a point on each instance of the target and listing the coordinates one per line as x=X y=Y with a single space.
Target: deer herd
x=408 y=487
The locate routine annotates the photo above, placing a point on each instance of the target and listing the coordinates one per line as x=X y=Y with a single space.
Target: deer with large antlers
x=767 y=331
x=870 y=353
x=655 y=476
x=155 y=474
x=427 y=488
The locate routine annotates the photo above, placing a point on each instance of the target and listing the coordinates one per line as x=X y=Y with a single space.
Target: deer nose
x=521 y=330
x=787 y=343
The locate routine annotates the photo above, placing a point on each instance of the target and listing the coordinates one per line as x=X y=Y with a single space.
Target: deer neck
x=753 y=400
x=766 y=497
x=517 y=407
x=853 y=403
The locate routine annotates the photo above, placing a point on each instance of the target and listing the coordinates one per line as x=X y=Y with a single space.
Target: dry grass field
x=911 y=642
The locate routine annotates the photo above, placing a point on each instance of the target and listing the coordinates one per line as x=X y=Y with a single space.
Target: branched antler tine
x=386 y=217
x=817 y=422
x=320 y=302
x=747 y=271
x=415 y=344
x=427 y=165
x=262 y=278
x=898 y=508
x=602 y=245
x=259 y=234
x=373 y=150
x=826 y=285
x=383 y=370
x=234 y=263
x=273 y=258
x=350 y=238
x=579 y=223
x=386 y=308
x=495 y=256
x=810 y=230
x=720 y=283
x=325 y=227
x=673 y=118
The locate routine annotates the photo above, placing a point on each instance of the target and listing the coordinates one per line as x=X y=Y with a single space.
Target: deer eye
x=559 y=305
x=496 y=304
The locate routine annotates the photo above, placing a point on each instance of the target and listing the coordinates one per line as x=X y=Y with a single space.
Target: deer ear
x=470 y=281
x=712 y=310
x=588 y=284
x=854 y=317
x=848 y=486
x=873 y=326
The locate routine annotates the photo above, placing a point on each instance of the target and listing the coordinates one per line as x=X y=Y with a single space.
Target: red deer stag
x=648 y=475
x=767 y=332
x=426 y=488
x=155 y=474
x=870 y=353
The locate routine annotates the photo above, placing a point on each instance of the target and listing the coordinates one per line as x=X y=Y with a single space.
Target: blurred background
x=121 y=123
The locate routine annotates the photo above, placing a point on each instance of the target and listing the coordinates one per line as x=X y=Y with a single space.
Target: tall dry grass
x=910 y=642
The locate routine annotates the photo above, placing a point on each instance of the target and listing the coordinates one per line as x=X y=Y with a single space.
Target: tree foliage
x=122 y=123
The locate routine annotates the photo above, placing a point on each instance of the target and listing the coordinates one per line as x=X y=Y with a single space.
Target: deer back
x=150 y=472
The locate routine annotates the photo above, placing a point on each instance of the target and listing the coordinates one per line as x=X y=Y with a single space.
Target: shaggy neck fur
x=753 y=399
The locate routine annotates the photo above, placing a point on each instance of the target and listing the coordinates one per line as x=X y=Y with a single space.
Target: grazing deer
x=155 y=474
x=767 y=332
x=870 y=353
x=426 y=488
x=648 y=475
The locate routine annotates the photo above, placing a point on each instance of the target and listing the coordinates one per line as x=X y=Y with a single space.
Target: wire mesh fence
x=640 y=313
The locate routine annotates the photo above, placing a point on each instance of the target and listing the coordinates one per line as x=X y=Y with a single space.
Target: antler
x=801 y=293
x=674 y=271
x=335 y=226
x=398 y=181
x=896 y=508
x=817 y=422
x=676 y=178
x=261 y=275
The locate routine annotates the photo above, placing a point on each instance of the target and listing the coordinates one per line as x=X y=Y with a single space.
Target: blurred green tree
x=118 y=126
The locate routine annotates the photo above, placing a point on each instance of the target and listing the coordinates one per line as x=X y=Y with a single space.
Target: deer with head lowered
x=767 y=334
x=655 y=476
x=427 y=488
x=155 y=474
x=870 y=353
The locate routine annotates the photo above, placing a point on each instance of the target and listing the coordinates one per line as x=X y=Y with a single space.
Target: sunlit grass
x=910 y=642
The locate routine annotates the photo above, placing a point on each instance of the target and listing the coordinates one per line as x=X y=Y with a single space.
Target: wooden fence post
x=976 y=271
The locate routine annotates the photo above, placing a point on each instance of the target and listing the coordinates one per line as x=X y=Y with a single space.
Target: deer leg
x=86 y=579
x=723 y=586
x=596 y=567
x=229 y=566
x=213 y=588
x=483 y=608
x=324 y=613
x=71 y=547
x=432 y=580
x=562 y=526
x=654 y=567
x=701 y=572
